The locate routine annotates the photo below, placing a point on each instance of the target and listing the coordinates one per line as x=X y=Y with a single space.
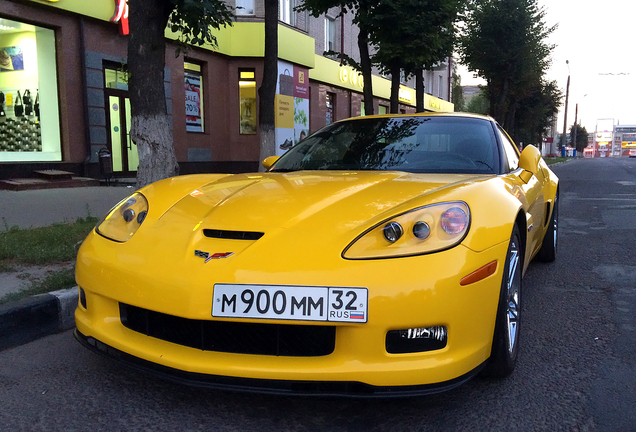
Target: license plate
x=298 y=303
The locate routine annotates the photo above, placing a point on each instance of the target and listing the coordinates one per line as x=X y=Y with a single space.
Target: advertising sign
x=194 y=121
x=292 y=105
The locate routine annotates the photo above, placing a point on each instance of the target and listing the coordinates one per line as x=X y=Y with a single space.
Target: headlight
x=419 y=231
x=124 y=219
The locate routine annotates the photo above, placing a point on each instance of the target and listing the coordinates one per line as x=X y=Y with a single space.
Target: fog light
x=416 y=339
x=437 y=333
x=392 y=232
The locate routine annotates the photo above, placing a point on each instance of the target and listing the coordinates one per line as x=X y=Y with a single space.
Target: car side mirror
x=269 y=161
x=529 y=162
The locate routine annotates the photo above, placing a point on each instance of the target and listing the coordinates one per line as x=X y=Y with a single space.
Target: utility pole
x=565 y=117
x=576 y=126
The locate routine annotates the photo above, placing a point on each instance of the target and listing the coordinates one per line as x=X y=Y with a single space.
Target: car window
x=416 y=144
x=510 y=150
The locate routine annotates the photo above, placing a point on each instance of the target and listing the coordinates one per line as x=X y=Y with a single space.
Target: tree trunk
x=419 y=90
x=365 y=65
x=509 y=123
x=395 y=88
x=151 y=128
x=501 y=109
x=267 y=90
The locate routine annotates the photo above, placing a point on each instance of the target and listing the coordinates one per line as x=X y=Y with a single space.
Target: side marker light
x=479 y=274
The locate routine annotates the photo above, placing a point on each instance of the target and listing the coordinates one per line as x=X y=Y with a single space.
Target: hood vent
x=232 y=235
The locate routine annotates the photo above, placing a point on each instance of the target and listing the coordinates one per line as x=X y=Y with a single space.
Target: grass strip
x=553 y=160
x=39 y=246
x=50 y=245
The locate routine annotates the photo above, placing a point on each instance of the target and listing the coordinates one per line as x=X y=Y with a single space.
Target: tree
x=150 y=126
x=267 y=90
x=405 y=34
x=581 y=136
x=458 y=91
x=412 y=35
x=536 y=113
x=479 y=104
x=504 y=41
x=361 y=9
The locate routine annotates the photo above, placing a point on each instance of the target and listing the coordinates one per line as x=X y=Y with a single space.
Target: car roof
x=425 y=114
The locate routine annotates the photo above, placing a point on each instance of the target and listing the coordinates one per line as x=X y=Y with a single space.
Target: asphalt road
x=577 y=370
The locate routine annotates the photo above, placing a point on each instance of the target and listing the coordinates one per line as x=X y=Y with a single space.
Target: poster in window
x=194 y=121
x=11 y=59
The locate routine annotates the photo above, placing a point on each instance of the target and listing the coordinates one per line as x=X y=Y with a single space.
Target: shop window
x=247 y=102
x=382 y=109
x=330 y=34
x=245 y=7
x=330 y=105
x=193 y=84
x=29 y=113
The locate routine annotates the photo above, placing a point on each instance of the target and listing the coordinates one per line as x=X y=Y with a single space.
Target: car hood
x=329 y=201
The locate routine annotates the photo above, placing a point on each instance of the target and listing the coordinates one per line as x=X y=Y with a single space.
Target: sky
x=598 y=38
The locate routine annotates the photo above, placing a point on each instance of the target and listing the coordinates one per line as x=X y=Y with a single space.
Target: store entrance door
x=124 y=151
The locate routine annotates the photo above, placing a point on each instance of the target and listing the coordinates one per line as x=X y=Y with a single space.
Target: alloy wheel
x=512 y=315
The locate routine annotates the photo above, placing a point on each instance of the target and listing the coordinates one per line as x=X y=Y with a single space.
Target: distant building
x=625 y=137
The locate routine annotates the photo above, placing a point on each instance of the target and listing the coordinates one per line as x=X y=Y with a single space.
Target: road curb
x=31 y=318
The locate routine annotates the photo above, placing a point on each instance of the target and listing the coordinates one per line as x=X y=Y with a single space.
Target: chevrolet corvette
x=379 y=256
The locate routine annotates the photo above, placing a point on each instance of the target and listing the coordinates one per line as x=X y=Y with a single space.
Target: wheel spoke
x=512 y=267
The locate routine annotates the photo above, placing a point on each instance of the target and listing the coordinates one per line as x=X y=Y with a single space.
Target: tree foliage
x=193 y=20
x=361 y=10
x=581 y=137
x=458 y=91
x=536 y=112
x=504 y=41
x=412 y=35
x=150 y=128
x=479 y=104
x=408 y=35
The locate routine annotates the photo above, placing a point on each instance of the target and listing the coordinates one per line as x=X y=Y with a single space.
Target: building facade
x=64 y=90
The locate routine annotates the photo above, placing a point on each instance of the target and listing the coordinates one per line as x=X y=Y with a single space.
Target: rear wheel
x=505 y=345
x=548 y=250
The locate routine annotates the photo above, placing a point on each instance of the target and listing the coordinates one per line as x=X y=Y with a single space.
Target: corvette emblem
x=208 y=256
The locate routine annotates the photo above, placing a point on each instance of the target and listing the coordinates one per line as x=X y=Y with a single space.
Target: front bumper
x=404 y=293
x=268 y=386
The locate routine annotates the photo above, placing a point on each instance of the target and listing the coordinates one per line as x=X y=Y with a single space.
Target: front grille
x=232 y=337
x=232 y=235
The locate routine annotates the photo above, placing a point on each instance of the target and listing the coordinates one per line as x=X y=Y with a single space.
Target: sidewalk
x=41 y=315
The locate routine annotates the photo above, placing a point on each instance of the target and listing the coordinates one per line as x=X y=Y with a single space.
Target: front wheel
x=505 y=345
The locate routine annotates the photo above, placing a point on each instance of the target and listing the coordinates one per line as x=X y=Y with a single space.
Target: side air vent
x=232 y=235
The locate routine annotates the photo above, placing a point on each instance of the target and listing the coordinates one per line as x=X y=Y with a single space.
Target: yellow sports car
x=382 y=255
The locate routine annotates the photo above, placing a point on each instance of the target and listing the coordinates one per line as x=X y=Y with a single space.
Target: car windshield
x=412 y=144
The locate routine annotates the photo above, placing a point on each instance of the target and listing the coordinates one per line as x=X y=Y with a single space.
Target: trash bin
x=563 y=151
x=105 y=164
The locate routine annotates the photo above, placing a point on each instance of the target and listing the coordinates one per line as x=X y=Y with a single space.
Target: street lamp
x=565 y=117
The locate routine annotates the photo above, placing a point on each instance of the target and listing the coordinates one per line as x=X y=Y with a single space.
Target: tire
x=548 y=250
x=505 y=344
